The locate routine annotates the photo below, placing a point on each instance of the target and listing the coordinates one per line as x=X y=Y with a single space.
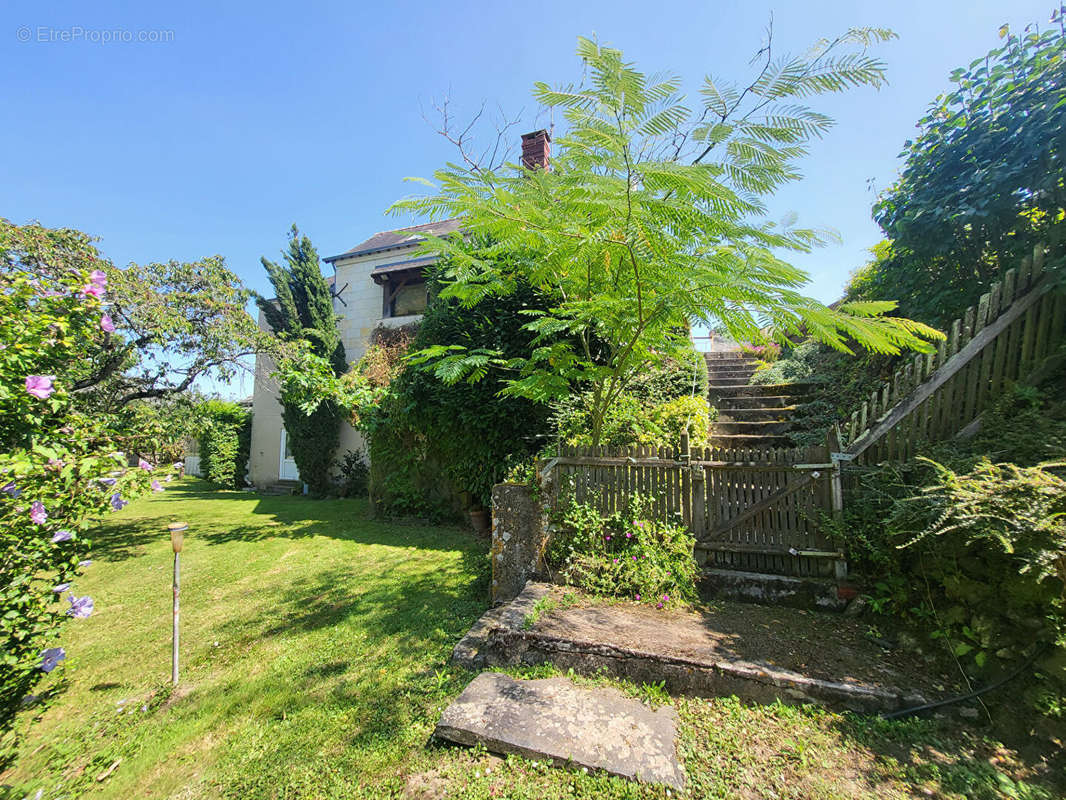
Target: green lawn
x=315 y=664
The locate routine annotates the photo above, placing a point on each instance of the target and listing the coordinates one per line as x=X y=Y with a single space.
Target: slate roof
x=386 y=240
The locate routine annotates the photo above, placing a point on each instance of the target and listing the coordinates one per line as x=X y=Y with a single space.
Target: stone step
x=734 y=440
x=722 y=427
x=758 y=653
x=282 y=488
x=766 y=389
x=739 y=376
x=553 y=719
x=781 y=414
x=815 y=594
x=759 y=402
x=729 y=357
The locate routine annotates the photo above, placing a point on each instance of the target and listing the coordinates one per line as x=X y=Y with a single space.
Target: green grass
x=315 y=665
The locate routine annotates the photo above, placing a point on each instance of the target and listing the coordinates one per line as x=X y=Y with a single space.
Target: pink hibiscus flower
x=40 y=386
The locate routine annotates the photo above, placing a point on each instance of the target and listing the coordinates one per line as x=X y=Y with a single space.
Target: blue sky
x=248 y=117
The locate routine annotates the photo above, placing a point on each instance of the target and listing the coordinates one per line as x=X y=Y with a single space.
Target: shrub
x=676 y=376
x=969 y=540
x=630 y=421
x=225 y=440
x=437 y=447
x=625 y=554
x=61 y=468
x=353 y=478
x=981 y=181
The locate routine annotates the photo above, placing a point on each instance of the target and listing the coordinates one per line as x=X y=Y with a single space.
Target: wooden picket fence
x=766 y=509
x=933 y=397
x=748 y=508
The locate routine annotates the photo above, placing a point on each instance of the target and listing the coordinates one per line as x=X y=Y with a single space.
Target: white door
x=287 y=470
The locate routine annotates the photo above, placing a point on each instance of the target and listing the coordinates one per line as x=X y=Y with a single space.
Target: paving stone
x=551 y=718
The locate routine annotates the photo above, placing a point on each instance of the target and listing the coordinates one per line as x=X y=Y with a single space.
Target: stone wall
x=519 y=535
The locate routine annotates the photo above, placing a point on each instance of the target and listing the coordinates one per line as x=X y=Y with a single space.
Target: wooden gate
x=749 y=508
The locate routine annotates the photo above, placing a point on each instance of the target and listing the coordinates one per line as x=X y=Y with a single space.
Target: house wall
x=358 y=315
x=264 y=457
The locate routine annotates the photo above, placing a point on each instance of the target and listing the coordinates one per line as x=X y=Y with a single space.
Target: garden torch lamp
x=177 y=539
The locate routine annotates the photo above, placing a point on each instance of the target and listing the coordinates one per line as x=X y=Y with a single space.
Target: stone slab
x=552 y=718
x=759 y=653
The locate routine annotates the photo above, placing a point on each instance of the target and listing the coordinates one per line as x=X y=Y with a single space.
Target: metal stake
x=177 y=536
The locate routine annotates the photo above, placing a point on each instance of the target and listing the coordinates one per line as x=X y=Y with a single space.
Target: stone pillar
x=518 y=539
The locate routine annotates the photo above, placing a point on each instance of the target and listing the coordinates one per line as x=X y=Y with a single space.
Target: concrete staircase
x=749 y=416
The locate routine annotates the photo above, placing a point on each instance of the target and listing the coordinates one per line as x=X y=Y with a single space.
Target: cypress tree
x=303 y=309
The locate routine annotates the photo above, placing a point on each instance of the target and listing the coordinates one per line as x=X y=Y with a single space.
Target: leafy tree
x=650 y=217
x=302 y=311
x=983 y=181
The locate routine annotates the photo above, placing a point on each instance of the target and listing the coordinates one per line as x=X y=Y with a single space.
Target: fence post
x=686 y=481
x=836 y=494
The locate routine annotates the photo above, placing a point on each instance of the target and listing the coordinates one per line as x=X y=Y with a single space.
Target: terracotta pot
x=481 y=520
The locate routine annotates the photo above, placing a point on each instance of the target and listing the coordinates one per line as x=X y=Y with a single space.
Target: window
x=405 y=298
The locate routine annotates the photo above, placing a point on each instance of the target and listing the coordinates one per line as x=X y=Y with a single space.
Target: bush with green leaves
x=982 y=182
x=353 y=475
x=631 y=421
x=61 y=467
x=437 y=446
x=629 y=554
x=969 y=540
x=225 y=442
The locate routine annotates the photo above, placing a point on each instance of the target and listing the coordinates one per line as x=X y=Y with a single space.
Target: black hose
x=906 y=712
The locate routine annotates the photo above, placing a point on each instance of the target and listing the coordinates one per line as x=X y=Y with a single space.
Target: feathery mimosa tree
x=652 y=217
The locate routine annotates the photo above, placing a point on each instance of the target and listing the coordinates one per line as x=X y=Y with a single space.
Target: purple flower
x=63 y=536
x=99 y=277
x=61 y=588
x=634 y=558
x=666 y=598
x=145 y=465
x=51 y=657
x=117 y=503
x=38 y=516
x=639 y=524
x=157 y=486
x=107 y=324
x=93 y=290
x=629 y=536
x=40 y=386
x=178 y=465
x=658 y=605
x=638 y=597
x=616 y=561
x=11 y=489
x=106 y=481
x=85 y=563
x=80 y=607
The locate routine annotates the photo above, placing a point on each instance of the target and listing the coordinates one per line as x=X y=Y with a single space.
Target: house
x=379 y=282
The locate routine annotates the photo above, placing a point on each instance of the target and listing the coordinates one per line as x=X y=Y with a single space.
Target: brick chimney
x=536 y=149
